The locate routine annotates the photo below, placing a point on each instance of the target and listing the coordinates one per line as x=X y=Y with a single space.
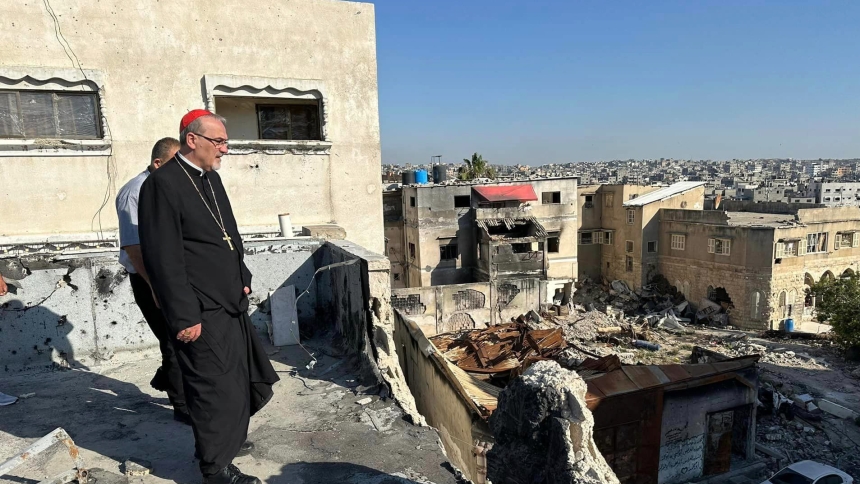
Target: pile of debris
x=658 y=302
x=500 y=348
x=501 y=352
x=738 y=345
x=793 y=428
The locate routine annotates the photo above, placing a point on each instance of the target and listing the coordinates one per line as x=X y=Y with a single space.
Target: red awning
x=520 y=193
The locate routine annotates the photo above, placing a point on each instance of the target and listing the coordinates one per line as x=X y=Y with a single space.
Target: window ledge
x=54 y=147
x=279 y=147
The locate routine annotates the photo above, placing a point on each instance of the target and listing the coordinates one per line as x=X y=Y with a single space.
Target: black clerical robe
x=197 y=278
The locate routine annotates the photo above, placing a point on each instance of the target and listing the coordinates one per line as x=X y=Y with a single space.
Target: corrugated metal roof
x=634 y=378
x=662 y=194
x=520 y=193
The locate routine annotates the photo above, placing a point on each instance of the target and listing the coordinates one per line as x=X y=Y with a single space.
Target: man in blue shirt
x=168 y=378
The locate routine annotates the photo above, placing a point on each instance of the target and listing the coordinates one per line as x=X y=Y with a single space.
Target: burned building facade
x=465 y=232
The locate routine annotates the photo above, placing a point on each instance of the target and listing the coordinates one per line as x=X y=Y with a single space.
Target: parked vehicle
x=810 y=472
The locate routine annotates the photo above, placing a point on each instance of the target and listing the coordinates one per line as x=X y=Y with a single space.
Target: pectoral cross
x=228 y=239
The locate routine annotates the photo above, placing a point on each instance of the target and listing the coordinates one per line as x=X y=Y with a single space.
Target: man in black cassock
x=193 y=254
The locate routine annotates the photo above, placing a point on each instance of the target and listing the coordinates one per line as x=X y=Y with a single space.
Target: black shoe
x=182 y=416
x=230 y=475
x=246 y=449
x=160 y=381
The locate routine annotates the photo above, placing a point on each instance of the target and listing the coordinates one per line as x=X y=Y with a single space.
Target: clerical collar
x=192 y=165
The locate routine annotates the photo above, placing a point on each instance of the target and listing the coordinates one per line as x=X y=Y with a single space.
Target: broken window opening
x=629 y=263
x=719 y=246
x=652 y=246
x=521 y=248
x=49 y=114
x=411 y=250
x=462 y=201
x=816 y=243
x=449 y=251
x=607 y=238
x=551 y=198
x=628 y=246
x=411 y=201
x=552 y=245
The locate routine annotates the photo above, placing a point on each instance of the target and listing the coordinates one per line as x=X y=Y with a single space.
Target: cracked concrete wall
x=79 y=312
x=355 y=300
x=544 y=431
x=153 y=60
x=440 y=309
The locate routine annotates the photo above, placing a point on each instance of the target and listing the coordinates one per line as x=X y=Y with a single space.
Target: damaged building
x=467 y=232
x=758 y=259
x=665 y=424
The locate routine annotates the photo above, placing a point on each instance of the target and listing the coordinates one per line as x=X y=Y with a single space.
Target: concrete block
x=802 y=400
x=324 y=231
x=284 y=326
x=836 y=409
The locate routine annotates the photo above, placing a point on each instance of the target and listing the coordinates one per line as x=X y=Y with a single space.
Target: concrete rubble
x=543 y=431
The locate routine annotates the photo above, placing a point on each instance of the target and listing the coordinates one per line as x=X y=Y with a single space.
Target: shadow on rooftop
x=329 y=472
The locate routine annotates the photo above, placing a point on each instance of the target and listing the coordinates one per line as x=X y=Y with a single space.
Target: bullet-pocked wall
x=146 y=64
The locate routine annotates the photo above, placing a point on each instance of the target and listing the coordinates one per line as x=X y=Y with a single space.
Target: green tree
x=838 y=304
x=477 y=167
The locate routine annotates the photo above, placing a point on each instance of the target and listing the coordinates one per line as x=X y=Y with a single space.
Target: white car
x=810 y=472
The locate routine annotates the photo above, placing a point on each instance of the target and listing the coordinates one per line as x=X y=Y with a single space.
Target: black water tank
x=440 y=173
x=409 y=177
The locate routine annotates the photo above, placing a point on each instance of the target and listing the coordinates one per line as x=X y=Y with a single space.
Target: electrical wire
x=111 y=168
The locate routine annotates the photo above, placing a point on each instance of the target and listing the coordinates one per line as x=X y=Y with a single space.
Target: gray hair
x=194 y=127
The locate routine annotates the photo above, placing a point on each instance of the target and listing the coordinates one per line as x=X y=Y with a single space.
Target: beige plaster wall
x=153 y=57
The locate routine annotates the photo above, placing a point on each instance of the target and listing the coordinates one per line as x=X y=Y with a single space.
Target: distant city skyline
x=560 y=82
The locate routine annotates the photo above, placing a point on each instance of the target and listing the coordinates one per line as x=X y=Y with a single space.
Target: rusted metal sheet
x=614 y=383
x=674 y=372
x=641 y=376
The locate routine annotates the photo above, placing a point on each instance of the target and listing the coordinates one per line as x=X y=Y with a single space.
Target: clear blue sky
x=558 y=81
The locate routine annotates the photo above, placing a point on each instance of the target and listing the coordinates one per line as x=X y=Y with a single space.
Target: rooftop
x=662 y=194
x=760 y=219
x=313 y=431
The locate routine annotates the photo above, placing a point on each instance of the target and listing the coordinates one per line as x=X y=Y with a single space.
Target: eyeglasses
x=218 y=142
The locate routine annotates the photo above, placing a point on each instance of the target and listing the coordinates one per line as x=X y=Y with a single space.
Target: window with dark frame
x=448 y=251
x=292 y=122
x=629 y=263
x=652 y=246
x=462 y=201
x=49 y=114
x=589 y=201
x=550 y=198
x=552 y=245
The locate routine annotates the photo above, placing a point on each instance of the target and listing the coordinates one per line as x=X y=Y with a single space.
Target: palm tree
x=477 y=167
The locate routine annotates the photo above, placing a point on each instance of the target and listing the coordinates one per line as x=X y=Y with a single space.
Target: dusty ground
x=313 y=431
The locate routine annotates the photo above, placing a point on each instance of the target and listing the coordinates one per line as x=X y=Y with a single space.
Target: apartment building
x=836 y=194
x=757 y=263
x=302 y=115
x=463 y=232
x=619 y=229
